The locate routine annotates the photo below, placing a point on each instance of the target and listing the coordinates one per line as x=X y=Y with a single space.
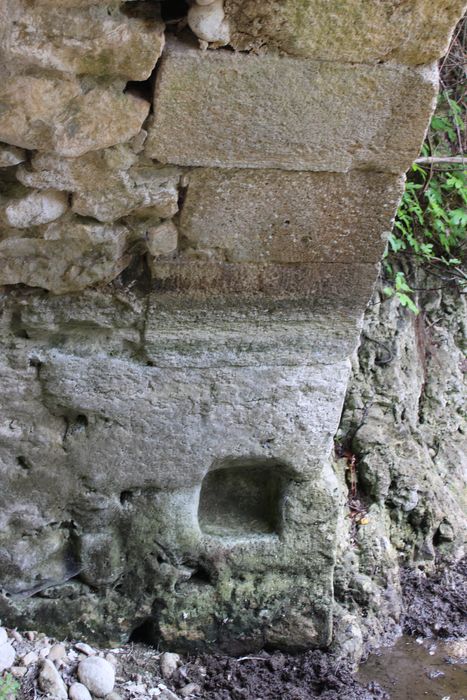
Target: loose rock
x=57 y=651
x=97 y=675
x=169 y=663
x=51 y=682
x=7 y=656
x=78 y=691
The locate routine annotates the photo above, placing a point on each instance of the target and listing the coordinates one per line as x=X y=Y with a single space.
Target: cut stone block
x=223 y=109
x=339 y=284
x=278 y=217
x=360 y=31
x=98 y=40
x=67 y=255
x=65 y=116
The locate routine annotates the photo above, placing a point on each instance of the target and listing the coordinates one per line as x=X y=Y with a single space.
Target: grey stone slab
x=226 y=109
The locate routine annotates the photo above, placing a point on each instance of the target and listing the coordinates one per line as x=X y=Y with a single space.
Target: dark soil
x=278 y=676
x=436 y=605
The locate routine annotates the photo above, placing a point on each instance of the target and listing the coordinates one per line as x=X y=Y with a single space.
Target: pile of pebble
x=77 y=671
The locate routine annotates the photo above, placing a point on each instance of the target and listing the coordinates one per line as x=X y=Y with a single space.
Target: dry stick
x=438 y=159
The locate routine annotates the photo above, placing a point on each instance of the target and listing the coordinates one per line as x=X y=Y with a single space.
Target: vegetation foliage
x=430 y=229
x=8 y=687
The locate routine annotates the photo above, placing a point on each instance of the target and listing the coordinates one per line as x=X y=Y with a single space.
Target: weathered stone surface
x=283 y=217
x=95 y=40
x=361 y=31
x=107 y=184
x=66 y=255
x=224 y=109
x=66 y=116
x=22 y=208
x=10 y=155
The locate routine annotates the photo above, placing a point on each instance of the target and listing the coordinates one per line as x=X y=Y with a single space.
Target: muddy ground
x=435 y=608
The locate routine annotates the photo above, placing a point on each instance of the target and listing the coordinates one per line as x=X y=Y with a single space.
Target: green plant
x=430 y=230
x=8 y=687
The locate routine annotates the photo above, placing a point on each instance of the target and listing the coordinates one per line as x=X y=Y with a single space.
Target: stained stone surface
x=183 y=285
x=356 y=31
x=227 y=109
x=95 y=40
x=66 y=115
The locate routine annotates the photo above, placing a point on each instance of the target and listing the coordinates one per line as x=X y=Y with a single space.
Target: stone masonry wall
x=194 y=197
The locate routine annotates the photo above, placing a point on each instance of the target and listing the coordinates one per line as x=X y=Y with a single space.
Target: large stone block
x=97 y=40
x=67 y=116
x=289 y=217
x=360 y=31
x=224 y=109
x=138 y=453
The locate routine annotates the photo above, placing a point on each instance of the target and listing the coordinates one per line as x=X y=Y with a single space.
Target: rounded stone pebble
x=169 y=663
x=3 y=636
x=7 y=656
x=78 y=691
x=97 y=675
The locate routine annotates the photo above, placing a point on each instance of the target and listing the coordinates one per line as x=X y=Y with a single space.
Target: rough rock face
x=176 y=339
x=404 y=419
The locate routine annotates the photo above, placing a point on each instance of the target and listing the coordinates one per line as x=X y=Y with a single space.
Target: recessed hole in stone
x=23 y=463
x=243 y=499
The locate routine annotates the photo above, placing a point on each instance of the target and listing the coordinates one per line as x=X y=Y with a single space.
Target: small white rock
x=36 y=207
x=57 y=651
x=43 y=653
x=51 y=682
x=208 y=22
x=85 y=648
x=162 y=239
x=189 y=690
x=114 y=696
x=30 y=636
x=7 y=656
x=3 y=636
x=169 y=663
x=97 y=675
x=29 y=659
x=18 y=671
x=78 y=691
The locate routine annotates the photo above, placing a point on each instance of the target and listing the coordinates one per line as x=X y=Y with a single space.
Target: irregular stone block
x=278 y=217
x=360 y=31
x=10 y=155
x=97 y=40
x=63 y=256
x=109 y=183
x=219 y=108
x=66 y=116
x=21 y=207
x=162 y=239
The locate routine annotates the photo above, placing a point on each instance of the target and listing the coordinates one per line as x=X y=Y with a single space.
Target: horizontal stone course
x=277 y=216
x=362 y=31
x=225 y=109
